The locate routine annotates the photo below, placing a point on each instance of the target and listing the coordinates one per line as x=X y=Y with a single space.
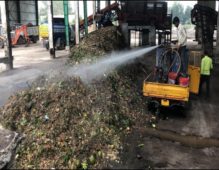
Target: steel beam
x=18 y=11
x=50 y=26
x=217 y=42
x=6 y=34
x=107 y=3
x=65 y=5
x=85 y=18
x=98 y=6
x=36 y=10
x=77 y=31
x=94 y=13
x=98 y=10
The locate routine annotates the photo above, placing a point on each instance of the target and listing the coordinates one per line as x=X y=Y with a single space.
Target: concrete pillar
x=18 y=11
x=50 y=26
x=65 y=5
x=85 y=18
x=98 y=11
x=217 y=43
x=8 y=60
x=98 y=6
x=94 y=13
x=107 y=3
x=77 y=31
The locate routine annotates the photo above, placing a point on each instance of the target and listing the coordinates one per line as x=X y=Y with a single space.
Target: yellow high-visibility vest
x=206 y=66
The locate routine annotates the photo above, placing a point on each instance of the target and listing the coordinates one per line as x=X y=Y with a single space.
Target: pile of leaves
x=98 y=43
x=72 y=125
x=69 y=124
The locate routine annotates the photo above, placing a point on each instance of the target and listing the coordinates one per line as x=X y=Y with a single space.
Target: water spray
x=103 y=66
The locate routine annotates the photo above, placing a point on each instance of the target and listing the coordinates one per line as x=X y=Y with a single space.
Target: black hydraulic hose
x=177 y=57
x=164 y=56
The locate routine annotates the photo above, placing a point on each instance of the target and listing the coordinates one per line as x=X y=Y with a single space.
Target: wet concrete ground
x=201 y=120
x=29 y=63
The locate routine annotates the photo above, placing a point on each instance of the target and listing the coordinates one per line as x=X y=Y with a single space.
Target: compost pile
x=69 y=124
x=98 y=43
x=72 y=125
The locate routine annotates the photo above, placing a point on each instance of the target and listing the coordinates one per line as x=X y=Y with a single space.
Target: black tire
x=21 y=40
x=47 y=46
x=34 y=40
x=62 y=45
x=153 y=105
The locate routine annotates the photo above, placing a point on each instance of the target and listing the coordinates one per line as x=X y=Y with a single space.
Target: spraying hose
x=175 y=59
x=164 y=59
x=163 y=63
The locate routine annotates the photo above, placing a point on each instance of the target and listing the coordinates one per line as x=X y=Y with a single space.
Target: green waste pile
x=72 y=125
x=69 y=124
x=98 y=43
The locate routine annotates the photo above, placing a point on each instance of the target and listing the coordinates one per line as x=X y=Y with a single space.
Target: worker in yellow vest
x=206 y=67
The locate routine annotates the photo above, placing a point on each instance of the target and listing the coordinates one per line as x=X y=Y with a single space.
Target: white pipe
x=50 y=26
x=94 y=13
x=77 y=31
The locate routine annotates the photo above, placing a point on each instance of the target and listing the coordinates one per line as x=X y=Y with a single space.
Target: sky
x=184 y=3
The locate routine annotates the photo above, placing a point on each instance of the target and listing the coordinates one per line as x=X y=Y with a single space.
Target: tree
x=43 y=8
x=178 y=10
x=43 y=11
x=187 y=15
x=184 y=14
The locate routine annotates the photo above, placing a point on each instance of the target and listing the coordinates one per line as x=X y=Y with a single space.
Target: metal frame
x=8 y=59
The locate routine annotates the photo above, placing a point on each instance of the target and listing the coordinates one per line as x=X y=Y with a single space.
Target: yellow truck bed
x=165 y=91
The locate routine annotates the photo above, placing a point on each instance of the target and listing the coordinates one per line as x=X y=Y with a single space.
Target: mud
x=157 y=153
x=190 y=141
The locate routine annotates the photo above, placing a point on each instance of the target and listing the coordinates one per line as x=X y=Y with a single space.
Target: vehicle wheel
x=61 y=45
x=153 y=105
x=27 y=45
x=21 y=40
x=47 y=46
x=34 y=40
x=187 y=108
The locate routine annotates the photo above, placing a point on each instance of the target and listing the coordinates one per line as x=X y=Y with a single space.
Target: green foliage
x=84 y=165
